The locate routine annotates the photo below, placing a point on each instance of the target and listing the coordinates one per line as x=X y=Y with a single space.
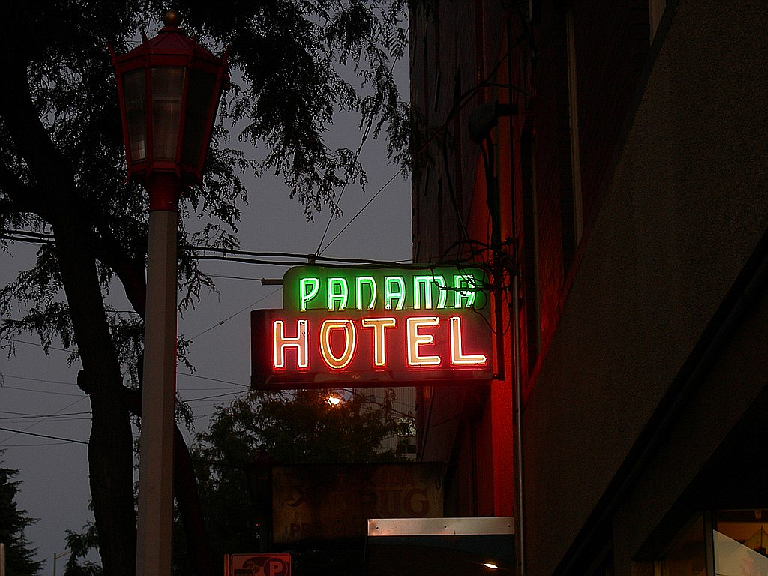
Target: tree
x=80 y=545
x=286 y=428
x=62 y=178
x=300 y=427
x=18 y=555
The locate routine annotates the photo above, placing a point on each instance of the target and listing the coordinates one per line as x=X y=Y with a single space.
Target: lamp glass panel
x=167 y=92
x=134 y=92
x=200 y=99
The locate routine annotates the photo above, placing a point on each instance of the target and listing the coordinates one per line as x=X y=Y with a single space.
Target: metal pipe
x=517 y=408
x=517 y=426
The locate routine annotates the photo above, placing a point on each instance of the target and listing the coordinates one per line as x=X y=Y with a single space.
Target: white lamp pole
x=169 y=89
x=155 y=520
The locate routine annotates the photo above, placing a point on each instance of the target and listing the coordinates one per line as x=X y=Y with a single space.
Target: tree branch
x=48 y=166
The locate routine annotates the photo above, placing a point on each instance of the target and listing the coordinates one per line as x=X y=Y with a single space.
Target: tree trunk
x=188 y=501
x=110 y=448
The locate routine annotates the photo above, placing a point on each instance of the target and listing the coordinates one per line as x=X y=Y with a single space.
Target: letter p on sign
x=278 y=567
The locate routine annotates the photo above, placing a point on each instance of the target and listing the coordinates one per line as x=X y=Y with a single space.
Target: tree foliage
x=300 y=427
x=80 y=546
x=295 y=63
x=19 y=556
x=285 y=428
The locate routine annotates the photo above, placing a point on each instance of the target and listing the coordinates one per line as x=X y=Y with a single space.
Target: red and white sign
x=315 y=349
x=270 y=564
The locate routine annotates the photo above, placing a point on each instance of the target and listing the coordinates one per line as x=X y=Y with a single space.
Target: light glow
x=416 y=339
x=280 y=342
x=350 y=342
x=458 y=358
x=379 y=341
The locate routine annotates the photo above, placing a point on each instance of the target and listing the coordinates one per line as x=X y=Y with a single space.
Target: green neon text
x=308 y=288
x=421 y=291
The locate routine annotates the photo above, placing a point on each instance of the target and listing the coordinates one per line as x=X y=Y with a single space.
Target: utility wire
x=363 y=139
x=228 y=318
x=38 y=379
x=211 y=379
x=228 y=254
x=42 y=391
x=39 y=445
x=25 y=433
x=15 y=341
x=213 y=397
x=227 y=277
x=70 y=417
x=387 y=183
x=256 y=257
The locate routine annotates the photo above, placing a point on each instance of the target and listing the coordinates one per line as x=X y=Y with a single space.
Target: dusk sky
x=39 y=395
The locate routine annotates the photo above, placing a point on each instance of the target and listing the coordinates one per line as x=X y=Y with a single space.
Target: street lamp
x=169 y=89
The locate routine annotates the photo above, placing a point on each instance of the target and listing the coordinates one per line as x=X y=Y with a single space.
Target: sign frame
x=374 y=327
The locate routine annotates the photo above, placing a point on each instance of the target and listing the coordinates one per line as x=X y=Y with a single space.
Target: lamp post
x=169 y=89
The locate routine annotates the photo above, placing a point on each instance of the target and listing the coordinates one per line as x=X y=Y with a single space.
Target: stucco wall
x=687 y=206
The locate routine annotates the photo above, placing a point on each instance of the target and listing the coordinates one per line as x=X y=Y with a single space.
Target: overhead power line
x=212 y=379
x=26 y=430
x=251 y=256
x=289 y=258
x=67 y=417
x=212 y=397
x=42 y=391
x=38 y=445
x=228 y=318
x=387 y=183
x=49 y=437
x=38 y=379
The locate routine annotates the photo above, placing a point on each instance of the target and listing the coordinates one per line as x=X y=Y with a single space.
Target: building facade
x=607 y=162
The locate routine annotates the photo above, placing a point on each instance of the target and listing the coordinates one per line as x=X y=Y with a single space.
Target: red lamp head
x=169 y=89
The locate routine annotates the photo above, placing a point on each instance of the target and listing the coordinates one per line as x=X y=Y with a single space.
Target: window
x=728 y=542
x=739 y=542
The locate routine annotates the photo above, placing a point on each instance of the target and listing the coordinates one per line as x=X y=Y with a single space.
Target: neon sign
x=336 y=289
x=373 y=327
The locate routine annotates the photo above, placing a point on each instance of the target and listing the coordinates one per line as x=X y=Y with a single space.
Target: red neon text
x=338 y=343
